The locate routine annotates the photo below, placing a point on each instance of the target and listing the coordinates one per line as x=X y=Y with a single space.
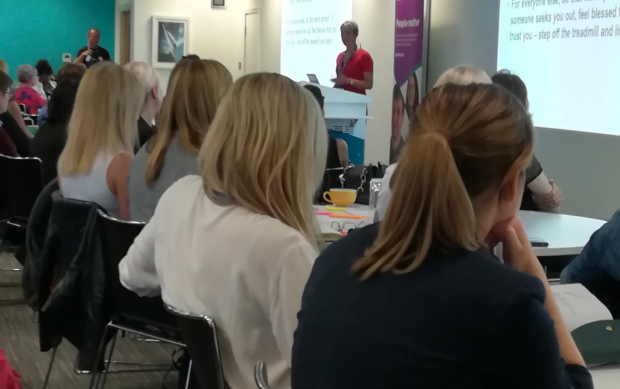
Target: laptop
x=313 y=78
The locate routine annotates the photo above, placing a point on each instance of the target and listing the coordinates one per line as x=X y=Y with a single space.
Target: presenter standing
x=354 y=65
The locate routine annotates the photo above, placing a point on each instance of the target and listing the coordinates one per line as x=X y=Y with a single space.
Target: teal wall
x=45 y=29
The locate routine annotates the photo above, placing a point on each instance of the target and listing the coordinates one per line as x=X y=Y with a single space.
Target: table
x=607 y=377
x=566 y=234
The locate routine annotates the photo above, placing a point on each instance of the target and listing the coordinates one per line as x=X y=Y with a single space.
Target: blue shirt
x=42 y=116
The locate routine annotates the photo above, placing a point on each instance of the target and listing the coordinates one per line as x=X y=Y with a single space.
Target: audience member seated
x=101 y=133
x=50 y=139
x=461 y=75
x=19 y=140
x=13 y=108
x=45 y=85
x=149 y=79
x=195 y=90
x=25 y=92
x=238 y=243
x=598 y=265
x=539 y=193
x=337 y=149
x=419 y=301
x=7 y=147
x=74 y=71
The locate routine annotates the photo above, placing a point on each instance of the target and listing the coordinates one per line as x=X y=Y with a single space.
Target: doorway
x=251 y=57
x=125 y=38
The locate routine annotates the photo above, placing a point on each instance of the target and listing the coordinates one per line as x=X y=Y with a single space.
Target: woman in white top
x=238 y=243
x=462 y=75
x=101 y=134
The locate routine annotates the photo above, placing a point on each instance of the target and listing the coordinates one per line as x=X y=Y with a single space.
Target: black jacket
x=64 y=275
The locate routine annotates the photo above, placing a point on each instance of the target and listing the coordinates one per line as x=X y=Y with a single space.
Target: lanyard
x=343 y=63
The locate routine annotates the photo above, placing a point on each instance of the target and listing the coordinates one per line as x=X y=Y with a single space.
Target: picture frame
x=218 y=3
x=170 y=41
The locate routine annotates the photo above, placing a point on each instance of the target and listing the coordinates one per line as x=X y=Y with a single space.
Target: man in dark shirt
x=92 y=53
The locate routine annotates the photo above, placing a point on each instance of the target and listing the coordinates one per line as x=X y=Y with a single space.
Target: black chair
x=260 y=375
x=130 y=313
x=200 y=334
x=21 y=181
x=22 y=108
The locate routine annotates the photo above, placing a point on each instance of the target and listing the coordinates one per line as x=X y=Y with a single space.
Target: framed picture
x=218 y=3
x=170 y=41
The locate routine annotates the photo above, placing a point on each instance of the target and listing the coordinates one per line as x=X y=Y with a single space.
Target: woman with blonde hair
x=419 y=300
x=461 y=75
x=153 y=96
x=237 y=244
x=195 y=90
x=101 y=133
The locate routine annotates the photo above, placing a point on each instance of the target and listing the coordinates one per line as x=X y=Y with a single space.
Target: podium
x=343 y=109
x=345 y=118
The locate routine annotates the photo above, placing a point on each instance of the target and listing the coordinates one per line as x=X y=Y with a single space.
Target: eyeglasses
x=344 y=226
x=7 y=94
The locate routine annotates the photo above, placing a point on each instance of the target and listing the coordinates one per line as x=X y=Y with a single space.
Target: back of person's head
x=463 y=75
x=104 y=117
x=266 y=150
x=194 y=93
x=148 y=78
x=73 y=71
x=44 y=68
x=26 y=73
x=318 y=95
x=190 y=57
x=514 y=84
x=61 y=103
x=5 y=81
x=4 y=67
x=470 y=147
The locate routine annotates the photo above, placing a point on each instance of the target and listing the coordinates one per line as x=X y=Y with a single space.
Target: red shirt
x=30 y=98
x=358 y=64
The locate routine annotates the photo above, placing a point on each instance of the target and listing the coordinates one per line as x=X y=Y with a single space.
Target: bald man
x=92 y=53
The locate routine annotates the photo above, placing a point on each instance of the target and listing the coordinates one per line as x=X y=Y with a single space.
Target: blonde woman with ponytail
x=101 y=133
x=237 y=243
x=420 y=301
x=195 y=90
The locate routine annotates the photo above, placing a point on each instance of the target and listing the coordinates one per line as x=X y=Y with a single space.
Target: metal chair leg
x=260 y=375
x=49 y=369
x=100 y=352
x=107 y=367
x=189 y=374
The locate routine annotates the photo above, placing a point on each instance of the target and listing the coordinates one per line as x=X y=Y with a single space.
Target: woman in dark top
x=540 y=193
x=51 y=138
x=19 y=139
x=420 y=301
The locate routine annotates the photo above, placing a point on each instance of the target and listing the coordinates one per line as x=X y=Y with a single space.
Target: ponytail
x=434 y=208
x=465 y=140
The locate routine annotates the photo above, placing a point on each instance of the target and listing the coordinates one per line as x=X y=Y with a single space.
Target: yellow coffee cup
x=340 y=197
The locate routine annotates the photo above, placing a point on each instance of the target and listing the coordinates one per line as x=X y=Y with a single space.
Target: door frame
x=245 y=34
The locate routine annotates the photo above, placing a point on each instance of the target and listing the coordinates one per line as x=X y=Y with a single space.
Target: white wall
x=213 y=33
x=376 y=19
x=583 y=165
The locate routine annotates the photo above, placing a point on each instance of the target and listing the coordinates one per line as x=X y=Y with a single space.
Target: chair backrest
x=117 y=236
x=28 y=120
x=260 y=375
x=22 y=108
x=21 y=181
x=200 y=335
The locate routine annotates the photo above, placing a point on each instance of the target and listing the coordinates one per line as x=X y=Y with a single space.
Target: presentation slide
x=565 y=51
x=311 y=37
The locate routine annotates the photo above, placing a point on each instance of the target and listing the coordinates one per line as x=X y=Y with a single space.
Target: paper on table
x=578 y=306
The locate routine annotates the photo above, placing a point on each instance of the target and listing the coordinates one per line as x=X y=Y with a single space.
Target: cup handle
x=326 y=197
